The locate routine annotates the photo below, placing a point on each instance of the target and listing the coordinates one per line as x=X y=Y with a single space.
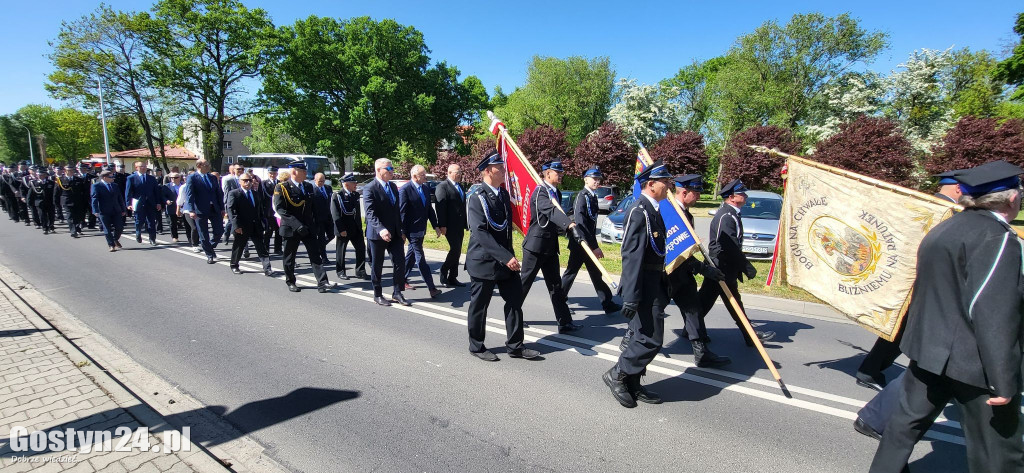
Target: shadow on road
x=22 y=332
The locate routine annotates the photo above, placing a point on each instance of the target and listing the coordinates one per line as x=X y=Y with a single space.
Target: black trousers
x=272 y=230
x=291 y=249
x=578 y=258
x=710 y=291
x=112 y=227
x=648 y=327
x=992 y=433
x=175 y=223
x=882 y=354
x=44 y=214
x=34 y=210
x=377 y=250
x=548 y=266
x=76 y=218
x=23 y=212
x=687 y=299
x=90 y=218
x=877 y=412
x=481 y=291
x=341 y=246
x=12 y=207
x=59 y=211
x=450 y=267
x=241 y=240
x=324 y=233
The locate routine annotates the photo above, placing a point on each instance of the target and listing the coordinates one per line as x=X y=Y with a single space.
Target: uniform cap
x=733 y=187
x=989 y=177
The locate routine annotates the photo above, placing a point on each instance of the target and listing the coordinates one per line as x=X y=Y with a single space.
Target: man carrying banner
x=725 y=246
x=644 y=292
x=964 y=329
x=491 y=262
x=585 y=216
x=540 y=247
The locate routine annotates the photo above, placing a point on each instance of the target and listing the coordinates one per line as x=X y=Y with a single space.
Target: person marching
x=415 y=209
x=272 y=230
x=27 y=179
x=107 y=202
x=10 y=193
x=324 y=228
x=964 y=329
x=144 y=198
x=491 y=262
x=451 y=220
x=60 y=172
x=41 y=198
x=169 y=192
x=540 y=246
x=384 y=232
x=348 y=226
x=585 y=215
x=725 y=247
x=246 y=210
x=205 y=206
x=293 y=201
x=643 y=288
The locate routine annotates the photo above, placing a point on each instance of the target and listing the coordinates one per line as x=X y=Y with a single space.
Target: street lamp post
x=103 y=120
x=31 y=153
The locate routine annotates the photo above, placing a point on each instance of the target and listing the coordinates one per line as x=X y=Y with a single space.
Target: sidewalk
x=47 y=384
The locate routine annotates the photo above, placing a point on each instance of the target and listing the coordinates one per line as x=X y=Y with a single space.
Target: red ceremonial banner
x=520 y=179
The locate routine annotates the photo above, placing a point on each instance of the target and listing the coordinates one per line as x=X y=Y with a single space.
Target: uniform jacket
x=643 y=256
x=107 y=201
x=546 y=221
x=345 y=212
x=964 y=320
x=725 y=245
x=451 y=206
x=145 y=188
x=490 y=235
x=41 y=192
x=584 y=213
x=204 y=196
x=381 y=212
x=295 y=206
x=415 y=212
x=684 y=274
x=245 y=214
x=268 y=187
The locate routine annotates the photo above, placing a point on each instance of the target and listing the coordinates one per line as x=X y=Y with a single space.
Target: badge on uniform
x=655 y=234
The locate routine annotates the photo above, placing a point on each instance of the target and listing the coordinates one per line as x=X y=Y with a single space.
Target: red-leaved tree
x=606 y=148
x=973 y=141
x=757 y=170
x=683 y=152
x=466 y=163
x=544 y=143
x=871 y=146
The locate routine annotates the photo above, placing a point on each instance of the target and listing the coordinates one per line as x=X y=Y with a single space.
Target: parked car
x=611 y=229
x=607 y=198
x=760 y=223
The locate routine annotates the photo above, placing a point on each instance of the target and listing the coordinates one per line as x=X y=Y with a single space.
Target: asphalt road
x=398 y=391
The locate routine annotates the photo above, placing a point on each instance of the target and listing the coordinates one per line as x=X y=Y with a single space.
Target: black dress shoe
x=211 y=260
x=435 y=293
x=152 y=242
x=138 y=238
x=444 y=282
x=620 y=391
x=118 y=244
x=245 y=254
x=876 y=382
x=864 y=429
x=236 y=270
x=322 y=289
x=362 y=275
x=399 y=298
x=524 y=353
x=293 y=288
x=380 y=300
x=485 y=355
x=269 y=273
x=568 y=328
x=456 y=283
x=641 y=393
x=342 y=275
x=612 y=308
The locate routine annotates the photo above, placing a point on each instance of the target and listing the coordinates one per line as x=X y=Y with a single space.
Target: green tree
x=270 y=136
x=13 y=139
x=1011 y=69
x=971 y=84
x=69 y=134
x=689 y=89
x=573 y=94
x=360 y=87
x=203 y=51
x=124 y=133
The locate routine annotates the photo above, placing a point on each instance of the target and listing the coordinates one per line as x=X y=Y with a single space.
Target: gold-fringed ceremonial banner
x=851 y=241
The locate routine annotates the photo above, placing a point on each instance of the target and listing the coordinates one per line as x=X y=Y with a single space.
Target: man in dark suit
x=293 y=201
x=451 y=221
x=272 y=230
x=206 y=206
x=964 y=329
x=348 y=225
x=585 y=215
x=228 y=184
x=491 y=262
x=324 y=222
x=121 y=179
x=144 y=197
x=725 y=247
x=170 y=192
x=540 y=247
x=41 y=197
x=414 y=206
x=644 y=293
x=246 y=213
x=108 y=205
x=384 y=231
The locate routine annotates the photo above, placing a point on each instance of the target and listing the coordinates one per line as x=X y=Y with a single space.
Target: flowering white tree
x=917 y=99
x=644 y=112
x=845 y=100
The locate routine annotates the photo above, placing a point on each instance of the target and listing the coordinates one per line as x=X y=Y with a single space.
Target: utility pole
x=32 y=154
x=103 y=121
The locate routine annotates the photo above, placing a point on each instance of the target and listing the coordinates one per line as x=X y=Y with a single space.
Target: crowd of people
x=963 y=332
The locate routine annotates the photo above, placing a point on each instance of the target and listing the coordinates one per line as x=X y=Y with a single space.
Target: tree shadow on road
x=22 y=332
x=850 y=364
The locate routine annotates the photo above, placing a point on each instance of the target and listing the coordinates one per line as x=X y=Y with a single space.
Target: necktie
x=459 y=188
x=207 y=177
x=249 y=193
x=302 y=189
x=423 y=197
x=387 y=190
x=109 y=189
x=323 y=192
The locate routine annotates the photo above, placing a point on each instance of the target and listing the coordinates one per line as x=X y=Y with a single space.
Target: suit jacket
x=107 y=201
x=725 y=244
x=322 y=204
x=295 y=206
x=381 y=212
x=204 y=195
x=145 y=188
x=245 y=214
x=268 y=187
x=415 y=213
x=345 y=212
x=229 y=183
x=964 y=320
x=490 y=235
x=944 y=197
x=585 y=215
x=451 y=206
x=546 y=221
x=643 y=256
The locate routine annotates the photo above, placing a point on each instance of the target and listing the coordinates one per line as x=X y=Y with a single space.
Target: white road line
x=544 y=337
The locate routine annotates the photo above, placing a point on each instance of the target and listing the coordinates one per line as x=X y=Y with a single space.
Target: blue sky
x=645 y=40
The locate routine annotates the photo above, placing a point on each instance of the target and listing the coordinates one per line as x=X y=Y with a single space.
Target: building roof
x=172 y=152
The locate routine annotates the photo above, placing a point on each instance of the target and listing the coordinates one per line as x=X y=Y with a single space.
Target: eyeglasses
x=245 y=180
x=390 y=168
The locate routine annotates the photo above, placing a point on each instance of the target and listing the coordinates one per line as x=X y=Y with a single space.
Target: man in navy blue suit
x=384 y=231
x=108 y=206
x=143 y=197
x=414 y=206
x=205 y=201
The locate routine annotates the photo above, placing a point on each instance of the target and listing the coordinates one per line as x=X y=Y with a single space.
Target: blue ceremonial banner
x=680 y=239
x=642 y=161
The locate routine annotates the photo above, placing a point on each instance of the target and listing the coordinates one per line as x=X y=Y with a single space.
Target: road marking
x=546 y=337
